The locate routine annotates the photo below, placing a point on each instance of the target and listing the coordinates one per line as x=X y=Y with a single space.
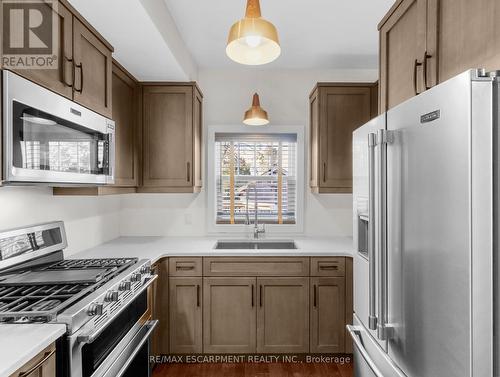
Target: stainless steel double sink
x=255 y=245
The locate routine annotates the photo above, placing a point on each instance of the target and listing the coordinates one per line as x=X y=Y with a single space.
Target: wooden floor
x=254 y=370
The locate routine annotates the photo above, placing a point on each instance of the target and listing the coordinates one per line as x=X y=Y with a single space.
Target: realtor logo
x=30 y=30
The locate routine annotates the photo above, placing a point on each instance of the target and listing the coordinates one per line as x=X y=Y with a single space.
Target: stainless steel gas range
x=102 y=302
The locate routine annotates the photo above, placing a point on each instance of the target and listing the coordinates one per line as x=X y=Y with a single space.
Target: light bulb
x=253 y=40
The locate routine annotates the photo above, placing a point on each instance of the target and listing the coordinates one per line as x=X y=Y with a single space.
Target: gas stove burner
x=45 y=305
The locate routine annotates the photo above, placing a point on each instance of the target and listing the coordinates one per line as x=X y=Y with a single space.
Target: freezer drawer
x=369 y=359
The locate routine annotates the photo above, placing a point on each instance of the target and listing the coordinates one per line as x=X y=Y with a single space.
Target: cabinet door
x=283 y=315
x=93 y=62
x=197 y=139
x=314 y=139
x=229 y=319
x=58 y=80
x=158 y=295
x=402 y=49
x=327 y=315
x=125 y=91
x=168 y=137
x=342 y=110
x=185 y=315
x=468 y=35
x=42 y=365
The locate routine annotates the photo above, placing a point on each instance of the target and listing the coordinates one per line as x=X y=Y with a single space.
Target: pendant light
x=255 y=115
x=253 y=40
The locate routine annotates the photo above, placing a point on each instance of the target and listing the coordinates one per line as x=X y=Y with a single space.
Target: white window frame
x=271 y=229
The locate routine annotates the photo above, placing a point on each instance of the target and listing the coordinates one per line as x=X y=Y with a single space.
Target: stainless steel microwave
x=50 y=140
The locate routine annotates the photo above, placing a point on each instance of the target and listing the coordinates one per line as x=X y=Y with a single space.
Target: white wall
x=89 y=221
x=227 y=94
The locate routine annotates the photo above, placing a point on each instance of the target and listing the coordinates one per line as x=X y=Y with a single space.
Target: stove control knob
x=135 y=277
x=111 y=296
x=146 y=269
x=94 y=309
x=125 y=286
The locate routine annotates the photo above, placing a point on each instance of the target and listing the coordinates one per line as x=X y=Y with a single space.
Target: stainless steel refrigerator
x=426 y=234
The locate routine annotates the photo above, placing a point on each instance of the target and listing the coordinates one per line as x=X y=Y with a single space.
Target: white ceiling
x=143 y=35
x=313 y=33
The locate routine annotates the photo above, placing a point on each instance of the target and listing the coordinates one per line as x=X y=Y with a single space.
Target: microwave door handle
x=372 y=316
x=354 y=332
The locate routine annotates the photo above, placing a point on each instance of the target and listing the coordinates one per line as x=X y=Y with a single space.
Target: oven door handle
x=89 y=338
x=127 y=355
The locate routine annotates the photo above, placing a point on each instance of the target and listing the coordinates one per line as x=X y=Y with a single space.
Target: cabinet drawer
x=184 y=266
x=328 y=266
x=43 y=364
x=255 y=266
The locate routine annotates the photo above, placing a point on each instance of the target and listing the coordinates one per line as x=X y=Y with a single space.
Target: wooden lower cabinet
x=327 y=314
x=158 y=305
x=283 y=315
x=229 y=315
x=185 y=308
x=42 y=365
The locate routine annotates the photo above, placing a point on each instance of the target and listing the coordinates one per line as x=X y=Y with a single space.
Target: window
x=256 y=172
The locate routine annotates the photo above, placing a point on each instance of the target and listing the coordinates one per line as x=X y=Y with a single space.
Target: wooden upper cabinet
x=468 y=35
x=172 y=139
x=125 y=91
x=93 y=63
x=402 y=50
x=336 y=110
x=58 y=80
x=229 y=315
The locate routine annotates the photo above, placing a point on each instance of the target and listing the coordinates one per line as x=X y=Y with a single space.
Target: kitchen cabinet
x=468 y=36
x=58 y=80
x=83 y=73
x=336 y=110
x=93 y=63
x=126 y=93
x=42 y=365
x=185 y=315
x=283 y=315
x=426 y=42
x=172 y=138
x=327 y=314
x=402 y=48
x=158 y=303
x=229 y=319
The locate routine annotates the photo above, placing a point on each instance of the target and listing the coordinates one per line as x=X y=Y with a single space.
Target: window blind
x=256 y=172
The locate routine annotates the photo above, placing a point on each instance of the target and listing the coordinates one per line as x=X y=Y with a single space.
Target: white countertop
x=154 y=248
x=20 y=343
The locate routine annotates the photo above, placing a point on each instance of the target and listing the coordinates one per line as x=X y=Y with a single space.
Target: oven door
x=50 y=139
x=120 y=348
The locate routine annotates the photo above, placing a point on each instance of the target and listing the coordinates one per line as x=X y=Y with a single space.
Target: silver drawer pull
x=184 y=268
x=38 y=365
x=331 y=267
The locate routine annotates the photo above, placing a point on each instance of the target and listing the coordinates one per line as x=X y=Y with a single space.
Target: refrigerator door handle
x=372 y=316
x=383 y=139
x=354 y=332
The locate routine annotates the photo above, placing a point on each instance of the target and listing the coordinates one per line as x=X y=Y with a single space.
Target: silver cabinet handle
x=372 y=317
x=38 y=365
x=383 y=138
x=354 y=332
